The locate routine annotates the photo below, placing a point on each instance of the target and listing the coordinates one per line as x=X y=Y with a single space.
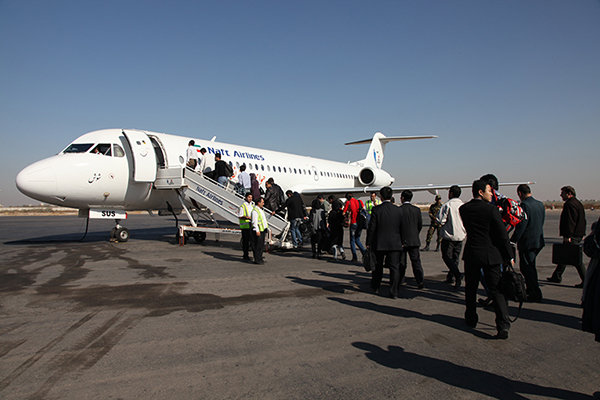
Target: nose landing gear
x=119 y=233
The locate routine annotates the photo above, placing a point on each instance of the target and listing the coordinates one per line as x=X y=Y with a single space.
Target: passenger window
x=262 y=167
x=279 y=168
x=284 y=169
x=250 y=167
x=295 y=171
x=118 y=151
x=103 y=149
x=256 y=165
x=237 y=164
x=78 y=148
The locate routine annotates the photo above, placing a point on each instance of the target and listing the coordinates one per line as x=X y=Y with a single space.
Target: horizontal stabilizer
x=387 y=139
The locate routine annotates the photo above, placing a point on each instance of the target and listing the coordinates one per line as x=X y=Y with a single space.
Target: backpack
x=361 y=218
x=511 y=211
x=591 y=246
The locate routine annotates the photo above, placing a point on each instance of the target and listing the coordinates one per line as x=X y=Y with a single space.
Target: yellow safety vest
x=262 y=223
x=245 y=223
x=370 y=204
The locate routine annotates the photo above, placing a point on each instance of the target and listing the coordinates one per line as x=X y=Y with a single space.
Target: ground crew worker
x=434 y=226
x=259 y=228
x=245 y=217
x=369 y=204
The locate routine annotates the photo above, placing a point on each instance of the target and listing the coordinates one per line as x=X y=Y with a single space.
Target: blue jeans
x=222 y=180
x=295 y=231
x=355 y=240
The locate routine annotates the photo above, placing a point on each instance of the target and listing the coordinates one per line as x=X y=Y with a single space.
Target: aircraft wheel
x=199 y=237
x=122 y=234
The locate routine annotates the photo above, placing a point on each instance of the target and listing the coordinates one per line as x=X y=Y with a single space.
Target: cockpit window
x=118 y=150
x=102 y=148
x=78 y=148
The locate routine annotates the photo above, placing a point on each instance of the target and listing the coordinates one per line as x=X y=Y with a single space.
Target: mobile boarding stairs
x=204 y=197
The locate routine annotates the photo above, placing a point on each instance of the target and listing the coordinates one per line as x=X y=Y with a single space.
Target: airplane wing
x=415 y=188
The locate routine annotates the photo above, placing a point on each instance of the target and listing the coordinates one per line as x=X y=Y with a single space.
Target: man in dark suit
x=529 y=237
x=572 y=229
x=412 y=222
x=384 y=237
x=486 y=248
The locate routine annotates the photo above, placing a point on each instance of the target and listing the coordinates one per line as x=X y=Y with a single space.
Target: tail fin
x=374 y=157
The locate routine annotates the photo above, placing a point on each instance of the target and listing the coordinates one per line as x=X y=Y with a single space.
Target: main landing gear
x=119 y=233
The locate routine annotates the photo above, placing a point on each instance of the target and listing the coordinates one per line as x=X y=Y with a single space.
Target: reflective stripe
x=245 y=223
x=262 y=223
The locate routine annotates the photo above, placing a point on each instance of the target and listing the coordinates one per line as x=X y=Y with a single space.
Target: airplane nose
x=37 y=181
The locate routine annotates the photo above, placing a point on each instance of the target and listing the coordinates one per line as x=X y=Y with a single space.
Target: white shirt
x=192 y=154
x=201 y=163
x=449 y=217
x=244 y=180
x=255 y=218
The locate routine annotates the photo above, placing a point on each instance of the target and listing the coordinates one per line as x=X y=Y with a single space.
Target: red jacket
x=354 y=206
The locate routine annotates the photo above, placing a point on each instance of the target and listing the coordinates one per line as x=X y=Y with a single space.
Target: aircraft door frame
x=144 y=158
x=315 y=172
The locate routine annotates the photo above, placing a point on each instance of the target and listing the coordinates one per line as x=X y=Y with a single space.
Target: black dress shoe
x=502 y=334
x=553 y=279
x=471 y=321
x=458 y=282
x=421 y=285
x=579 y=285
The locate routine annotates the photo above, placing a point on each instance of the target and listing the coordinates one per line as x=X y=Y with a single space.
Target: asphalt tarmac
x=150 y=319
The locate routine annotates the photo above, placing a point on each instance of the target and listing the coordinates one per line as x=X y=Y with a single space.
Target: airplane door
x=144 y=158
x=315 y=173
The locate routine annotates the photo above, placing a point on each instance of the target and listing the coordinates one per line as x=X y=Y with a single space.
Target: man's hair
x=316 y=204
x=478 y=185
x=248 y=194
x=386 y=193
x=524 y=188
x=243 y=167
x=454 y=191
x=191 y=143
x=320 y=196
x=260 y=198
x=349 y=196
x=406 y=195
x=331 y=197
x=568 y=190
x=202 y=150
x=491 y=180
x=270 y=181
x=289 y=192
x=218 y=155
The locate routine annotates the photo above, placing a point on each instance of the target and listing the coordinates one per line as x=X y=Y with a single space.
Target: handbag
x=369 y=260
x=512 y=286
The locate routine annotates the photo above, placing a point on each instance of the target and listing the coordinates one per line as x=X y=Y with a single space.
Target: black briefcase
x=567 y=254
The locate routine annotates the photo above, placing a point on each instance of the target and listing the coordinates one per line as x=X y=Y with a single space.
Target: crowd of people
x=490 y=230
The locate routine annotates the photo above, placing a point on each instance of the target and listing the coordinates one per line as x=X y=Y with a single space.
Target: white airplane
x=106 y=173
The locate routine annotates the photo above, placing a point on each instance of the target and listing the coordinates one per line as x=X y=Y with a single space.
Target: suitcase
x=567 y=254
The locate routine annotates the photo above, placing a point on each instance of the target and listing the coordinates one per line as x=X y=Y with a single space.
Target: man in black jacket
x=529 y=237
x=384 y=237
x=273 y=196
x=572 y=229
x=412 y=223
x=296 y=212
x=487 y=247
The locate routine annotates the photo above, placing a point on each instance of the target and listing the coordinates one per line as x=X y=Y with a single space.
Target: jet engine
x=374 y=177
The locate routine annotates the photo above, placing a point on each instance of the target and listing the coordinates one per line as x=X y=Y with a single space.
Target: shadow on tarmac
x=474 y=380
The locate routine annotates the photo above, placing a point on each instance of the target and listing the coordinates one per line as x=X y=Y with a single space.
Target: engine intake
x=374 y=177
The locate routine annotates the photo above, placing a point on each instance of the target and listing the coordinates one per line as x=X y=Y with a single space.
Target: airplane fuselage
x=116 y=168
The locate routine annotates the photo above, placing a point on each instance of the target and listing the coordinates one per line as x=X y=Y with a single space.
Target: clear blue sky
x=510 y=87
